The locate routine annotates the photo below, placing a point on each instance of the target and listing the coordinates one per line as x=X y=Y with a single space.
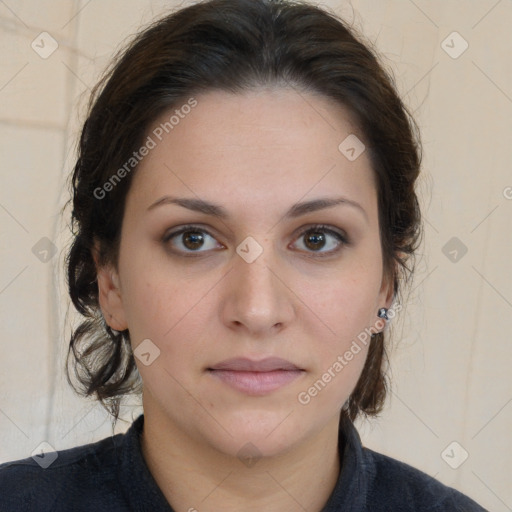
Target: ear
x=109 y=294
x=387 y=289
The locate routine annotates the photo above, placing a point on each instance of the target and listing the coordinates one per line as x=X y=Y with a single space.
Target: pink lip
x=243 y=364
x=256 y=377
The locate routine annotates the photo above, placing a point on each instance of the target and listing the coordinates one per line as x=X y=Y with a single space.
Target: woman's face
x=254 y=256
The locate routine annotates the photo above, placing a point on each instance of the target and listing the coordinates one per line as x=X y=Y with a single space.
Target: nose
x=256 y=300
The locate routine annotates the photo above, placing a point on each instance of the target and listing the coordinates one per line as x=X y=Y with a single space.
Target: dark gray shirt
x=111 y=475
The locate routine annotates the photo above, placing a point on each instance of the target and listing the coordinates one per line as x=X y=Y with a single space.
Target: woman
x=244 y=214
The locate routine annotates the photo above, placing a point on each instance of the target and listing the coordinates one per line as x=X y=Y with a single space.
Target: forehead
x=273 y=144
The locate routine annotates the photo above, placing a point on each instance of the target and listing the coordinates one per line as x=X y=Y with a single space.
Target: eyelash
x=341 y=238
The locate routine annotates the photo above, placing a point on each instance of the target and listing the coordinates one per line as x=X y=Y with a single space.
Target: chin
x=259 y=433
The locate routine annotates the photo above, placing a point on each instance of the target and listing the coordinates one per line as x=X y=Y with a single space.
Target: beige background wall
x=451 y=361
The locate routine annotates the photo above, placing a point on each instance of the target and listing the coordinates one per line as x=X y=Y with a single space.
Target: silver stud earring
x=383 y=313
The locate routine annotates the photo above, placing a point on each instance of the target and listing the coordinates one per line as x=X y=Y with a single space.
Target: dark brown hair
x=234 y=46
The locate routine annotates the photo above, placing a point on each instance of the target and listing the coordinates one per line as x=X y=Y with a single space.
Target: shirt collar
x=139 y=486
x=351 y=490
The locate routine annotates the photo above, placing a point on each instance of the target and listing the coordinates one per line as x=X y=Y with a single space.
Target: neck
x=195 y=476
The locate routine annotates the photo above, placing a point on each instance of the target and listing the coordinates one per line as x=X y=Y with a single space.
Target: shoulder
x=400 y=484
x=61 y=480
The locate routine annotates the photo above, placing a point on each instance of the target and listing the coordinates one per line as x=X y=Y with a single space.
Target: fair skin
x=255 y=155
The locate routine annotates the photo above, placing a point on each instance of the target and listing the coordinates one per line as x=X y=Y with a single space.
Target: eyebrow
x=298 y=209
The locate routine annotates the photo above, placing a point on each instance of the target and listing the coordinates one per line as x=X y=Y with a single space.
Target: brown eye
x=192 y=240
x=321 y=240
x=314 y=240
x=189 y=239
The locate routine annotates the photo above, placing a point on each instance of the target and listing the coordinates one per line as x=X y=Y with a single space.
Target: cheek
x=340 y=342
x=330 y=387
x=174 y=312
x=343 y=302
x=344 y=311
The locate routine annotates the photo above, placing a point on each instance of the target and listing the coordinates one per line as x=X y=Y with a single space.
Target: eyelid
x=172 y=232
x=327 y=228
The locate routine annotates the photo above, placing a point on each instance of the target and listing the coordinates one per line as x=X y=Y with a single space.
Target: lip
x=256 y=378
x=243 y=364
